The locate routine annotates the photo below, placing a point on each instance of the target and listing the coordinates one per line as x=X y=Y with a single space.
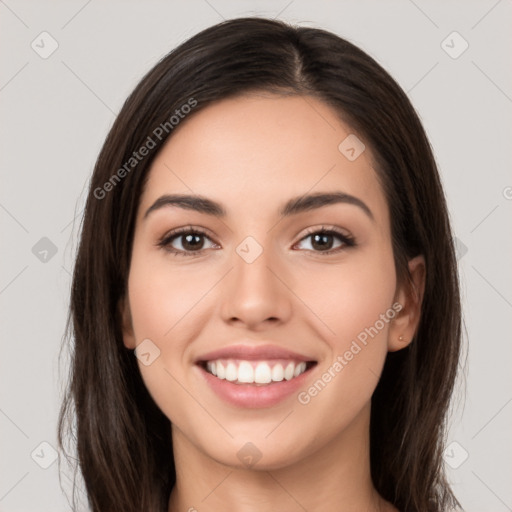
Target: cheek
x=353 y=307
x=348 y=298
x=163 y=299
x=166 y=309
x=161 y=305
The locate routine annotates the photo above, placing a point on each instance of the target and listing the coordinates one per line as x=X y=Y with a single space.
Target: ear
x=126 y=324
x=410 y=297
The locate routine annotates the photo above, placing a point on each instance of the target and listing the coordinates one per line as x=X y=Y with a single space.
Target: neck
x=334 y=478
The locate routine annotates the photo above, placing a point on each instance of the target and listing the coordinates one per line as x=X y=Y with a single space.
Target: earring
x=400 y=338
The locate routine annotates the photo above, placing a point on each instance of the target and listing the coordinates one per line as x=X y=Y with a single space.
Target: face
x=260 y=302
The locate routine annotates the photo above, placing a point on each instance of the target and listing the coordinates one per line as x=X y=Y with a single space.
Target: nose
x=256 y=294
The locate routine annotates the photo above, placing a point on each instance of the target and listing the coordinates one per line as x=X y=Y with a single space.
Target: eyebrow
x=294 y=206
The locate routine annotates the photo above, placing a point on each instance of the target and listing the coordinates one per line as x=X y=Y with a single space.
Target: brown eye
x=186 y=242
x=192 y=242
x=326 y=241
x=322 y=241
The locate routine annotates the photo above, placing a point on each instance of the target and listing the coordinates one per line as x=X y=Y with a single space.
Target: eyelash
x=164 y=243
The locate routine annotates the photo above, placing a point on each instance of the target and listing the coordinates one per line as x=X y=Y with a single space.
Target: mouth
x=259 y=373
x=255 y=376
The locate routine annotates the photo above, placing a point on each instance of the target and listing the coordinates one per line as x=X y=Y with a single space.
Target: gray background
x=56 y=112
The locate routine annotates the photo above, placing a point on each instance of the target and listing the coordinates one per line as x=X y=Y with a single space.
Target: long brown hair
x=123 y=440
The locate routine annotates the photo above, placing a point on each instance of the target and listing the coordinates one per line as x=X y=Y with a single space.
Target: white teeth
x=277 y=373
x=245 y=372
x=211 y=367
x=262 y=374
x=221 y=372
x=300 y=368
x=288 y=372
x=231 y=372
x=254 y=372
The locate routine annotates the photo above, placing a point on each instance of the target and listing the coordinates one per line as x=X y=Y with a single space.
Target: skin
x=236 y=152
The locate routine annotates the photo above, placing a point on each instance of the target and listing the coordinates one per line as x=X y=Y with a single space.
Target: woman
x=265 y=306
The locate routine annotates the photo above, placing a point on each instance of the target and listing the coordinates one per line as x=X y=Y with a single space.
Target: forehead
x=241 y=150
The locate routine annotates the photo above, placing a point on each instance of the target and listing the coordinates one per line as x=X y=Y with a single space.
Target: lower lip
x=252 y=396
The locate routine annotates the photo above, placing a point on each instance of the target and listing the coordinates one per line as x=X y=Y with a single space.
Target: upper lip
x=253 y=353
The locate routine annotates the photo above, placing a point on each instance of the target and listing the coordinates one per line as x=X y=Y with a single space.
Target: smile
x=255 y=376
x=256 y=372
